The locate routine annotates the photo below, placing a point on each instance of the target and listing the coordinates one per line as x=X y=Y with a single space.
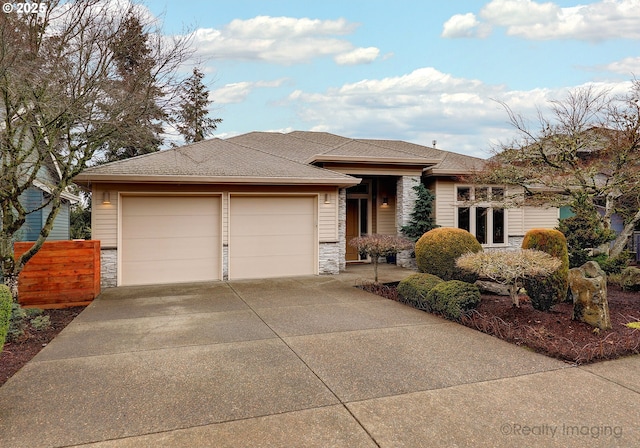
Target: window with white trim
x=480 y=211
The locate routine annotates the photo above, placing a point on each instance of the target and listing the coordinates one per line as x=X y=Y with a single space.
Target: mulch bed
x=553 y=333
x=17 y=353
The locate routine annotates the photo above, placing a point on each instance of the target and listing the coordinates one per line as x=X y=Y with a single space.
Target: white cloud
x=358 y=56
x=627 y=66
x=237 y=92
x=519 y=12
x=605 y=19
x=281 y=40
x=463 y=115
x=465 y=25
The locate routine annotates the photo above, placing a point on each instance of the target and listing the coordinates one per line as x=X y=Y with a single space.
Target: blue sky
x=409 y=70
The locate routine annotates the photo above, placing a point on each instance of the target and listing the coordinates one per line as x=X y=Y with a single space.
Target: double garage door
x=173 y=239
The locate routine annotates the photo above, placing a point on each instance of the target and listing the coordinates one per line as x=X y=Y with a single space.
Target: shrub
x=41 y=323
x=510 y=268
x=377 y=246
x=17 y=322
x=583 y=231
x=422 y=216
x=545 y=291
x=6 y=302
x=438 y=249
x=20 y=317
x=453 y=298
x=630 y=279
x=612 y=265
x=415 y=288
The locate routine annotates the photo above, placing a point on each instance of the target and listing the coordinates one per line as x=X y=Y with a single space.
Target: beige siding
x=328 y=217
x=515 y=215
x=540 y=218
x=445 y=203
x=386 y=217
x=515 y=221
x=104 y=218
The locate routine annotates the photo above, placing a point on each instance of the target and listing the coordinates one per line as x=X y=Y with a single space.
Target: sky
x=419 y=71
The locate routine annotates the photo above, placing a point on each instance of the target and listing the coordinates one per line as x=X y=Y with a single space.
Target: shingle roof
x=213 y=160
x=267 y=157
x=305 y=146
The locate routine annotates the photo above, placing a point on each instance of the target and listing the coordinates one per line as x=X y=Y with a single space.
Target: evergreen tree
x=192 y=119
x=138 y=132
x=422 y=217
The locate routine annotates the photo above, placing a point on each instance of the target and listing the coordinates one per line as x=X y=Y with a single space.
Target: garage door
x=272 y=236
x=170 y=239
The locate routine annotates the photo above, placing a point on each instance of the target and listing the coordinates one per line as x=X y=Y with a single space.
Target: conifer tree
x=192 y=120
x=422 y=217
x=139 y=132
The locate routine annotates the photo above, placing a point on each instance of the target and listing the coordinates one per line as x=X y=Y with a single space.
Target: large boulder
x=630 y=279
x=588 y=286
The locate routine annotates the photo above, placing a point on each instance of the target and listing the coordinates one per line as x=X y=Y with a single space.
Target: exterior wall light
x=385 y=201
x=106 y=198
x=326 y=198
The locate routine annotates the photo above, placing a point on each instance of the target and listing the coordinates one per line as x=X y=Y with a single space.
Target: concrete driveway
x=302 y=362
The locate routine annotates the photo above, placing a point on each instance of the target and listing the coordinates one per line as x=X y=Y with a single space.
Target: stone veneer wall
x=332 y=255
x=405 y=202
x=108 y=268
x=329 y=258
x=342 y=229
x=516 y=241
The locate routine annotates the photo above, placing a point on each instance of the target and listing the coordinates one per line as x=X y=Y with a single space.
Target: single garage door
x=272 y=236
x=170 y=239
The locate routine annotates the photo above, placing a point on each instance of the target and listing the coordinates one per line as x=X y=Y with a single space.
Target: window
x=479 y=210
x=463 y=218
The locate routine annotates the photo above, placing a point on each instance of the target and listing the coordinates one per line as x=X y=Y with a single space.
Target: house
x=35 y=200
x=268 y=204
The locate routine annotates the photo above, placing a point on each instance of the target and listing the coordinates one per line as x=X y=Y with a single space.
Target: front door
x=353 y=228
x=357 y=224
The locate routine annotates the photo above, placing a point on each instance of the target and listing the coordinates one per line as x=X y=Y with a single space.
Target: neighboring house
x=35 y=201
x=268 y=204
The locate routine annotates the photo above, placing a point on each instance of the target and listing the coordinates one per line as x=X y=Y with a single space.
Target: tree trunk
x=515 y=298
x=11 y=281
x=622 y=238
x=374 y=260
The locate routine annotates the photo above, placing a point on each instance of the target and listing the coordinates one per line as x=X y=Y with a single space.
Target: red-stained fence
x=61 y=274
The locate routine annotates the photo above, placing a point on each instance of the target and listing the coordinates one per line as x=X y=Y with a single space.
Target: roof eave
x=372 y=160
x=86 y=179
x=447 y=172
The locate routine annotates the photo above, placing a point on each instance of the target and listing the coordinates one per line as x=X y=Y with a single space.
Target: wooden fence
x=61 y=274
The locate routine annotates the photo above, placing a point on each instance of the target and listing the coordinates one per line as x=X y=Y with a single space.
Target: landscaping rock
x=492 y=287
x=630 y=279
x=588 y=286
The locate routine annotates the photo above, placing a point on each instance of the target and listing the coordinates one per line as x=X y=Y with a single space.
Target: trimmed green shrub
x=612 y=265
x=546 y=291
x=6 y=302
x=438 y=249
x=415 y=288
x=453 y=298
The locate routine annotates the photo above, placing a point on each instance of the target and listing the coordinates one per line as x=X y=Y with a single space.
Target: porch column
x=342 y=228
x=405 y=204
